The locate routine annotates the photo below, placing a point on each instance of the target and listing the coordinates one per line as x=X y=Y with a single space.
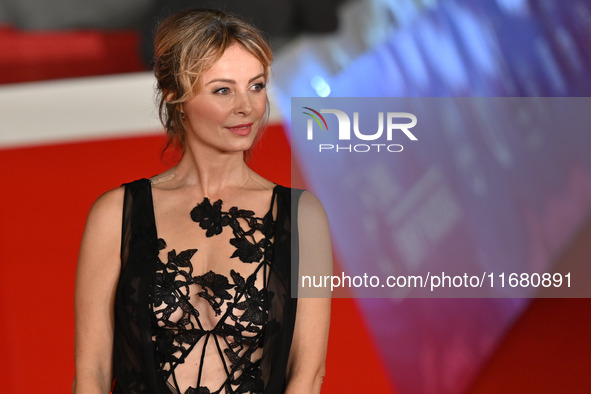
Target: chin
x=240 y=147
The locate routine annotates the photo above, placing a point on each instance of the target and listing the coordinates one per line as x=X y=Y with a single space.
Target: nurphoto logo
x=396 y=123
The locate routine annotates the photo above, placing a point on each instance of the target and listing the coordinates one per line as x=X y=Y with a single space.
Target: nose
x=243 y=104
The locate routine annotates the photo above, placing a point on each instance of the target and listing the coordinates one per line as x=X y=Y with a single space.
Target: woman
x=183 y=282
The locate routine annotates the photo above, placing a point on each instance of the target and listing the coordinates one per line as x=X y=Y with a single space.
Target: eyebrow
x=233 y=81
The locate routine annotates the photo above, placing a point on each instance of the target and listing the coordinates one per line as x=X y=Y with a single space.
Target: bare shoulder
x=107 y=209
x=309 y=206
x=99 y=256
x=314 y=239
x=110 y=200
x=102 y=234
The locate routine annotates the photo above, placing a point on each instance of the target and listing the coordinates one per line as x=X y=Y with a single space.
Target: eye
x=257 y=87
x=222 y=91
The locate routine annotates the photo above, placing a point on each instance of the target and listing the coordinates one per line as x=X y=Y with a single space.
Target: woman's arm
x=96 y=281
x=305 y=368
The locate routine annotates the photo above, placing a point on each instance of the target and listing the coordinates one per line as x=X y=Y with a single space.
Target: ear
x=169 y=96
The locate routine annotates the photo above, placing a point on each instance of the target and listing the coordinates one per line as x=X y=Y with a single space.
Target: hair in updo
x=186 y=45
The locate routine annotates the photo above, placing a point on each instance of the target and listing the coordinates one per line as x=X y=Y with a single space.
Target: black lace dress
x=183 y=328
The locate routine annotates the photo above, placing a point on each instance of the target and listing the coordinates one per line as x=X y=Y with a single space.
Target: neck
x=212 y=174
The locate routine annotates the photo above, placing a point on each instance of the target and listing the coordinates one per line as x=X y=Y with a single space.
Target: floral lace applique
x=241 y=306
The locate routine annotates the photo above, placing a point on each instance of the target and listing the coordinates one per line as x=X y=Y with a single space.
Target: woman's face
x=225 y=115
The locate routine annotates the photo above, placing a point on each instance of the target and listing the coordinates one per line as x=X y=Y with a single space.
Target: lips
x=241 y=129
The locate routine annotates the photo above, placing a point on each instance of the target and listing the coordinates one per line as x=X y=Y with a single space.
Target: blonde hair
x=186 y=45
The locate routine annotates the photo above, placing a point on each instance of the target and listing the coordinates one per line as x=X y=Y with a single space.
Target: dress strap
x=133 y=359
x=273 y=197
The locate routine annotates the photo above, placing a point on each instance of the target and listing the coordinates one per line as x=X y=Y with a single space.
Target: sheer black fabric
x=255 y=324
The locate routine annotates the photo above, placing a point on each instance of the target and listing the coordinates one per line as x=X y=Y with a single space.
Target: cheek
x=260 y=104
x=211 y=112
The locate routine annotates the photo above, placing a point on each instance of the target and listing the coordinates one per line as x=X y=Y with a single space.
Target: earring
x=183 y=116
